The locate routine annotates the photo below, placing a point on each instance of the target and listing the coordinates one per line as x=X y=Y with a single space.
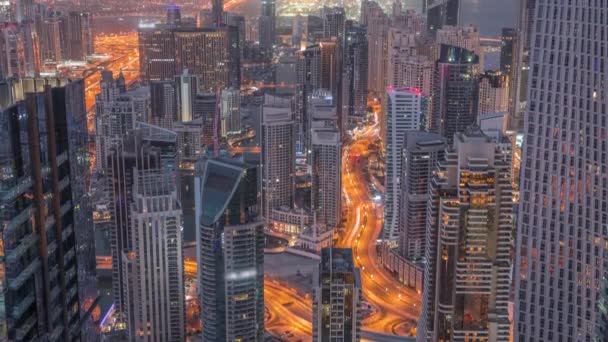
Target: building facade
x=455 y=92
x=154 y=267
x=44 y=212
x=493 y=93
x=421 y=152
x=326 y=199
x=230 y=250
x=562 y=219
x=278 y=155
x=404 y=109
x=336 y=299
x=468 y=243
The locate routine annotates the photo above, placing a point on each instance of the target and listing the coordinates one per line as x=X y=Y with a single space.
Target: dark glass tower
x=441 y=13
x=230 y=245
x=268 y=24
x=455 y=92
x=44 y=210
x=354 y=77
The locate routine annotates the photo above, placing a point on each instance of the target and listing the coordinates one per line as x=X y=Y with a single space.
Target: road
x=288 y=315
x=123 y=55
x=397 y=307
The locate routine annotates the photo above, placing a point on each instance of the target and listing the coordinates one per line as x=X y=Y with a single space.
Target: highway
x=123 y=55
x=397 y=307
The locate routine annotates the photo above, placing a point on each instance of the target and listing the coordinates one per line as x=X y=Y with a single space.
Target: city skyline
x=291 y=170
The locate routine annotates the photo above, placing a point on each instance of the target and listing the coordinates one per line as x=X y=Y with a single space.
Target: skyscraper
x=421 y=152
x=468 y=243
x=455 y=92
x=354 y=77
x=156 y=53
x=186 y=91
x=378 y=25
x=508 y=65
x=154 y=264
x=174 y=15
x=493 y=93
x=118 y=118
x=166 y=50
x=49 y=39
x=336 y=299
x=326 y=178
x=230 y=109
x=330 y=64
x=230 y=245
x=560 y=250
x=411 y=72
x=217 y=12
x=76 y=35
x=44 y=209
x=333 y=22
x=316 y=68
x=321 y=114
x=267 y=22
x=278 y=155
x=524 y=48
x=404 y=110
x=440 y=13
x=220 y=67
x=146 y=147
x=205 y=109
x=189 y=142
x=163 y=104
x=463 y=37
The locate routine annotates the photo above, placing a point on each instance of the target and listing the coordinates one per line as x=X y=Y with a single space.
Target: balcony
x=19 y=219
x=25 y=328
x=68 y=256
x=67 y=232
x=20 y=308
x=62 y=158
x=69 y=274
x=72 y=292
x=65 y=207
x=56 y=334
x=26 y=274
x=54 y=293
x=24 y=245
x=17 y=190
x=64 y=183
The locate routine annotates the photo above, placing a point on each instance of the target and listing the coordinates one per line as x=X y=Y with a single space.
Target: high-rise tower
x=421 y=152
x=267 y=22
x=326 y=177
x=44 y=210
x=562 y=219
x=468 y=243
x=336 y=308
x=404 y=110
x=230 y=250
x=440 y=13
x=455 y=92
x=217 y=13
x=154 y=265
x=278 y=155
x=354 y=77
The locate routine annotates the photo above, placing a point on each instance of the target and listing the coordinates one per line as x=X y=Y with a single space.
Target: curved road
x=397 y=307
